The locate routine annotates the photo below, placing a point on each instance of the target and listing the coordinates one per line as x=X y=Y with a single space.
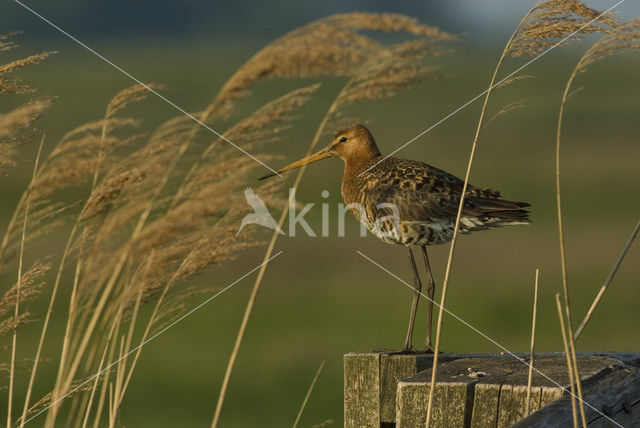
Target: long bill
x=319 y=155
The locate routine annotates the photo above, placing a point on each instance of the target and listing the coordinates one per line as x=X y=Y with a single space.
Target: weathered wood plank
x=498 y=385
x=392 y=369
x=513 y=393
x=614 y=397
x=485 y=403
x=548 y=395
x=513 y=403
x=361 y=390
x=452 y=404
x=370 y=384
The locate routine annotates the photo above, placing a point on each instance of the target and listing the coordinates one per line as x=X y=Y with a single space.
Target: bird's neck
x=357 y=164
x=352 y=181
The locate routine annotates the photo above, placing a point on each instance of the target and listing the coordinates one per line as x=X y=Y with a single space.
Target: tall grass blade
x=306 y=398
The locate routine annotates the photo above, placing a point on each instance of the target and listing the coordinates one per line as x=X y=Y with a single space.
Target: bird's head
x=353 y=143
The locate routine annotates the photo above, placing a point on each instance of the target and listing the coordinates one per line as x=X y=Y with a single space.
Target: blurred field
x=320 y=298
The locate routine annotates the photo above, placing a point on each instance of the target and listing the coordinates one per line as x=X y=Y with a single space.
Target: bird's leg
x=431 y=290
x=414 y=305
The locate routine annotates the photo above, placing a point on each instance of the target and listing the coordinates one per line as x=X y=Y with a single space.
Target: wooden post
x=385 y=389
x=452 y=403
x=370 y=381
x=488 y=391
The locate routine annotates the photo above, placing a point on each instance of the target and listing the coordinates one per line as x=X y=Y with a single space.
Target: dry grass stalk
x=15 y=132
x=395 y=69
x=110 y=344
x=505 y=51
x=25 y=62
x=546 y=25
x=18 y=290
x=133 y=94
x=133 y=240
x=94 y=387
x=112 y=285
x=533 y=342
x=30 y=287
x=330 y=46
x=517 y=104
x=567 y=354
x=618 y=38
x=121 y=100
x=11 y=325
x=15 y=125
x=184 y=248
x=537 y=31
x=5 y=43
x=607 y=282
x=622 y=37
x=14 y=85
x=74 y=143
x=554 y=20
x=369 y=81
x=306 y=398
x=510 y=80
x=576 y=372
x=45 y=402
x=74 y=147
x=257 y=129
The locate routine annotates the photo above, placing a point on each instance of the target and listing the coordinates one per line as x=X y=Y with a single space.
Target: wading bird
x=410 y=203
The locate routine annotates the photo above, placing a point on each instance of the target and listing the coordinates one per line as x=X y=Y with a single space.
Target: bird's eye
x=343 y=139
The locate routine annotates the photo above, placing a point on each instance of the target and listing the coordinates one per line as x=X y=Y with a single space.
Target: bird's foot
x=430 y=350
x=404 y=351
x=410 y=350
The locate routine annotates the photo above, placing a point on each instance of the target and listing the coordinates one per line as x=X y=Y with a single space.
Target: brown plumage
x=426 y=198
x=410 y=203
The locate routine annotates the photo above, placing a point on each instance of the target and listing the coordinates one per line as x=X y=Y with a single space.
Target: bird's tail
x=508 y=211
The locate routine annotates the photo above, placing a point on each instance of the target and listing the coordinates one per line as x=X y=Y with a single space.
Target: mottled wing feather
x=424 y=193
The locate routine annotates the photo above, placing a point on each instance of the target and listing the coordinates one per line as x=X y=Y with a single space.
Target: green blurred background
x=320 y=299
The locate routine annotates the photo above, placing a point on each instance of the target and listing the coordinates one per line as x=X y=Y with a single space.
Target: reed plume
x=334 y=46
x=15 y=125
x=144 y=228
x=621 y=37
x=552 y=21
x=159 y=209
x=382 y=72
x=544 y=26
x=618 y=37
x=30 y=287
x=15 y=131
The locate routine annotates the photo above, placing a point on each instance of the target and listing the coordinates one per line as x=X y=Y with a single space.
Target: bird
x=410 y=203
